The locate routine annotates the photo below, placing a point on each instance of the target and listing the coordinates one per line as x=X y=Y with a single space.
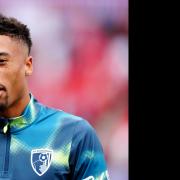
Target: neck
x=17 y=108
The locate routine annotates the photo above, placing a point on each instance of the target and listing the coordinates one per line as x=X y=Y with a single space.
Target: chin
x=2 y=108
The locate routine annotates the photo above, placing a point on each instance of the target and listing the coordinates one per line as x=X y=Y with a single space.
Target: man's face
x=15 y=65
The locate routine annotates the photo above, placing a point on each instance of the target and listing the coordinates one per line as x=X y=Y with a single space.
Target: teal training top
x=49 y=144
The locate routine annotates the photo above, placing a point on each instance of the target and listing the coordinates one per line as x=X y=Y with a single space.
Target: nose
x=2 y=87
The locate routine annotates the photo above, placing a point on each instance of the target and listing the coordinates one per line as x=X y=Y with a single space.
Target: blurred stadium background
x=80 y=50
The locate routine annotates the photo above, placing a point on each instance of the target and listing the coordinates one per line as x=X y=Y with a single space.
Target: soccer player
x=36 y=141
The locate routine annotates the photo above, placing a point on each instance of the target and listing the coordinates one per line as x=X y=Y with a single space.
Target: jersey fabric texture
x=49 y=144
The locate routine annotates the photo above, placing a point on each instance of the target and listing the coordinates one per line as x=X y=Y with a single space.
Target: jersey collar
x=27 y=118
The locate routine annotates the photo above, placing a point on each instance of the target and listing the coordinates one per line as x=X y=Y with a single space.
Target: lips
x=2 y=91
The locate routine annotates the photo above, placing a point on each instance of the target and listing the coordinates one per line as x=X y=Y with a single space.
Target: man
x=38 y=142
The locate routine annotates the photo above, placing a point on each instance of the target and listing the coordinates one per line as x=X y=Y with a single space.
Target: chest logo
x=41 y=160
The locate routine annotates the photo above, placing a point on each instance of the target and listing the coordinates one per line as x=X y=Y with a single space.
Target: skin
x=15 y=66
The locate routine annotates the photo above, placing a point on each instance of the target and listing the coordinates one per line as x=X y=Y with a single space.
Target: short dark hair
x=10 y=26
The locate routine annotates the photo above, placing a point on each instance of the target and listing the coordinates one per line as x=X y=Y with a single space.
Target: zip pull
x=5 y=129
x=4 y=125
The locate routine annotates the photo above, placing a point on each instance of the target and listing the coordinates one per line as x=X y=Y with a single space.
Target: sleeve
x=87 y=160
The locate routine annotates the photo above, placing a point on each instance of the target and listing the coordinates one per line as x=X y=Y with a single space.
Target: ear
x=28 y=66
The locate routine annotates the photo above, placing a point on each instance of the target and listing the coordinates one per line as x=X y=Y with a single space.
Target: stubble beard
x=3 y=103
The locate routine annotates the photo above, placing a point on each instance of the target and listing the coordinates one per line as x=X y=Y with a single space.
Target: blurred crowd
x=80 y=51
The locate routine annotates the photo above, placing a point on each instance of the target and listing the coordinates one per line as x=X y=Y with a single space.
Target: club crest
x=41 y=160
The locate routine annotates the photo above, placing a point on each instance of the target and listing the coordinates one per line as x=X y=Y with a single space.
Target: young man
x=38 y=142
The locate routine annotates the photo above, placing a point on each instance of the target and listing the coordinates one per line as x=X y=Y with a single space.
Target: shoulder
x=65 y=119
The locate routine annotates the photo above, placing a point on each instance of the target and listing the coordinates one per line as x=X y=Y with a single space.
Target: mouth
x=2 y=91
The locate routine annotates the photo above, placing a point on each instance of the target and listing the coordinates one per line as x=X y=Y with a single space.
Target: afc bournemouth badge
x=41 y=160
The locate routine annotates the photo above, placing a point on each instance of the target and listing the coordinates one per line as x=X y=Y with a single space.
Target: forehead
x=11 y=46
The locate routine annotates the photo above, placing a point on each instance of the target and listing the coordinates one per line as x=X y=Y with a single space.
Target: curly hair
x=10 y=26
